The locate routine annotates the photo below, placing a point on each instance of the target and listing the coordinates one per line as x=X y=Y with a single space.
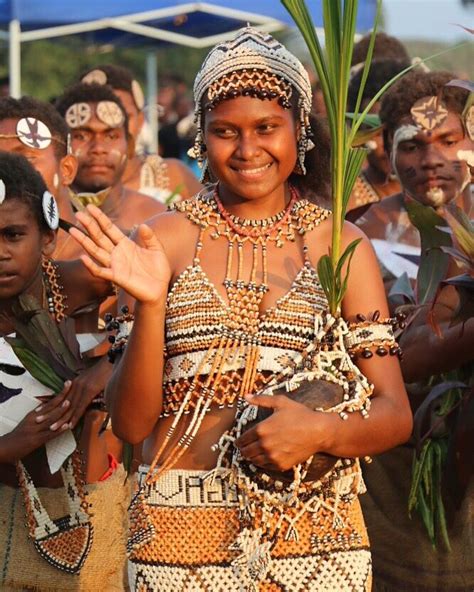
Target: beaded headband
x=252 y=64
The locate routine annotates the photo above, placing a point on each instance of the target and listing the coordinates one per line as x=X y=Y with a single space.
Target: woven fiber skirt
x=21 y=566
x=196 y=523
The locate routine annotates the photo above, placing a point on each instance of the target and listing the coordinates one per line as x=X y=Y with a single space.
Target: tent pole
x=14 y=58
x=152 y=96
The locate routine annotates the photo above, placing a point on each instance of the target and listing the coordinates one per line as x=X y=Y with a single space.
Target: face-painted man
x=101 y=143
x=432 y=152
x=35 y=130
x=152 y=175
x=429 y=137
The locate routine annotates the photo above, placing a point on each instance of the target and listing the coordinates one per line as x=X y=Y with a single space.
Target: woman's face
x=251 y=147
x=22 y=245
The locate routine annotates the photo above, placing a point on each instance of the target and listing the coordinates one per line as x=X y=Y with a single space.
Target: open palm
x=141 y=268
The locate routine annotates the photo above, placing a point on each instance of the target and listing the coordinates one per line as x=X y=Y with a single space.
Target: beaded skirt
x=196 y=524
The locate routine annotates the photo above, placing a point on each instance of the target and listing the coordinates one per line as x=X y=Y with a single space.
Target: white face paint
x=466 y=156
x=55 y=180
x=402 y=134
x=371 y=145
x=436 y=196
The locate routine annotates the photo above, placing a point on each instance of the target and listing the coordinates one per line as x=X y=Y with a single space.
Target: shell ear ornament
x=50 y=210
x=2 y=191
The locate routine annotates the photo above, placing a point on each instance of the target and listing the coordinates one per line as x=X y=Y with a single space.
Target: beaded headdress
x=252 y=64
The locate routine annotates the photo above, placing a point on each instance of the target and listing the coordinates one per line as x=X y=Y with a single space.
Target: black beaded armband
x=365 y=335
x=122 y=326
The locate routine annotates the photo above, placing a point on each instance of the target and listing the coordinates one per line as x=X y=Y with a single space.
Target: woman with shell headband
x=225 y=285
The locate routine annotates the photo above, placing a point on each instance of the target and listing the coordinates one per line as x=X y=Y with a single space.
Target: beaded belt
x=188 y=488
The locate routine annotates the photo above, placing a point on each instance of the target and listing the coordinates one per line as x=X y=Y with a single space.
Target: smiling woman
x=226 y=285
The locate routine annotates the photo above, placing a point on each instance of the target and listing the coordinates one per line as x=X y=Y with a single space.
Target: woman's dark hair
x=24 y=183
x=89 y=93
x=316 y=184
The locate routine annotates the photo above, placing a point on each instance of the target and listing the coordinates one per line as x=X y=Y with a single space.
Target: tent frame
x=132 y=23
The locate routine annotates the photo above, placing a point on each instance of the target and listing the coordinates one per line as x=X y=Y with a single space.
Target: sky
x=428 y=19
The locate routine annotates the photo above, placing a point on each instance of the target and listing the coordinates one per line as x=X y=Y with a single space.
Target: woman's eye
x=224 y=132
x=13 y=235
x=267 y=128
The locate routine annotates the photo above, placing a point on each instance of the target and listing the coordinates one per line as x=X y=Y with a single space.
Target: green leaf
x=462 y=230
x=368 y=59
x=417 y=473
x=402 y=287
x=326 y=276
x=372 y=120
x=365 y=135
x=36 y=366
x=433 y=263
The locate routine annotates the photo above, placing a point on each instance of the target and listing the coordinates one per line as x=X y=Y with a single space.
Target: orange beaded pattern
x=196 y=523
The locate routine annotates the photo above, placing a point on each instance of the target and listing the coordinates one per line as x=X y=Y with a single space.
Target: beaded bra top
x=198 y=321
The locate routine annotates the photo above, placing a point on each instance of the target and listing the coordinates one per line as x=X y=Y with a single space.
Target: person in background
x=376 y=181
x=102 y=144
x=74 y=537
x=37 y=131
x=429 y=137
x=152 y=175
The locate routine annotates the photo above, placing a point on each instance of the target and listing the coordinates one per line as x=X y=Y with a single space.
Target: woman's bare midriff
x=200 y=454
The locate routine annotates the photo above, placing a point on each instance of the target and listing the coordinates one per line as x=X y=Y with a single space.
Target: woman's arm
x=141 y=268
x=294 y=432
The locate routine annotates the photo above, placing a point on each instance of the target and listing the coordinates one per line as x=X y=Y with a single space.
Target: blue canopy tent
x=128 y=22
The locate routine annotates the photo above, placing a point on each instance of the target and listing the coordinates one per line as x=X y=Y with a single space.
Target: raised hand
x=141 y=268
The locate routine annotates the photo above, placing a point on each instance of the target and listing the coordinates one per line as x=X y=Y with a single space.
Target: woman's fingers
x=94 y=231
x=103 y=273
x=107 y=226
x=101 y=255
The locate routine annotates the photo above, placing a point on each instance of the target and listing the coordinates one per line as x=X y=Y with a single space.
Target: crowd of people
x=224 y=420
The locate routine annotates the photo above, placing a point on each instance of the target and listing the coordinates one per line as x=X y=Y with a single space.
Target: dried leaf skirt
x=196 y=524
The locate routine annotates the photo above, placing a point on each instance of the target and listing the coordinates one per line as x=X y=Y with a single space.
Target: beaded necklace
x=64 y=542
x=54 y=291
